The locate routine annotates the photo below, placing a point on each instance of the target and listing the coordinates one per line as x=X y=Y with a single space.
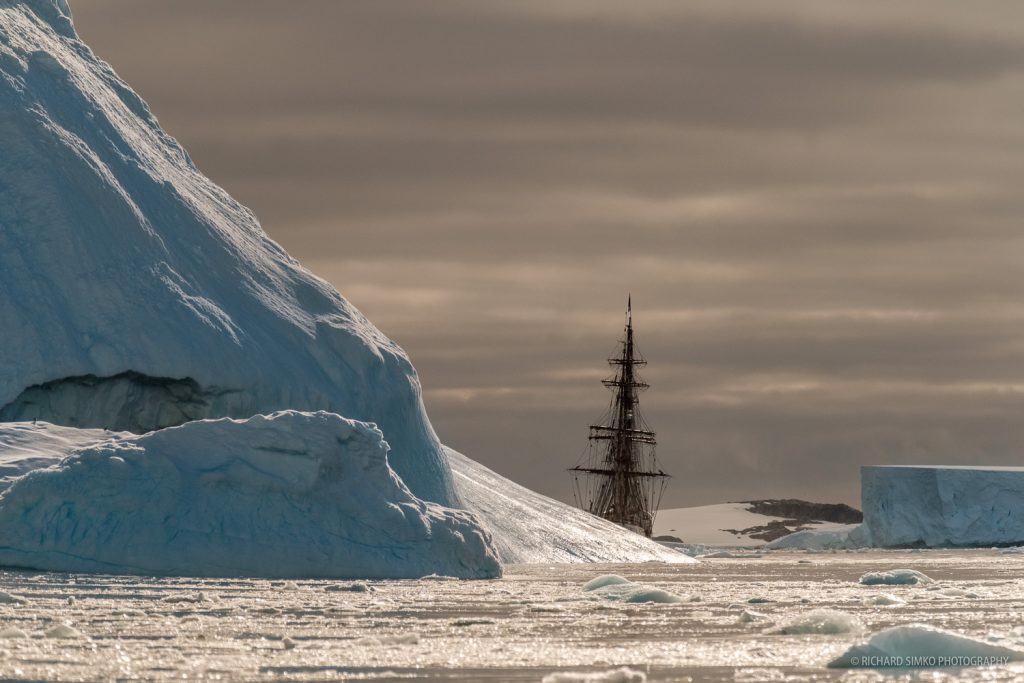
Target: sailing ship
x=618 y=477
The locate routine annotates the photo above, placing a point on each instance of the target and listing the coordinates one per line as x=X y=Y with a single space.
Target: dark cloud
x=815 y=205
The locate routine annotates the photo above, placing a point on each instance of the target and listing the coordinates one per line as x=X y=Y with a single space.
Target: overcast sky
x=816 y=206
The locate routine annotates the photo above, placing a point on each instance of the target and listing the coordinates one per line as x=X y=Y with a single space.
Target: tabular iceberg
x=287 y=495
x=942 y=506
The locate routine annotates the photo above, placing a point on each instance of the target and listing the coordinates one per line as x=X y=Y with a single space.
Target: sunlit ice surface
x=534 y=622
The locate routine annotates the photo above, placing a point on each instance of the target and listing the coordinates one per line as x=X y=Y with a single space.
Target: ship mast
x=619 y=478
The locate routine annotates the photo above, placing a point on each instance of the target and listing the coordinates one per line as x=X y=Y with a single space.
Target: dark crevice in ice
x=129 y=401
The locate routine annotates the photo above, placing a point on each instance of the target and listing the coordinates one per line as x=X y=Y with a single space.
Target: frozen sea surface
x=534 y=622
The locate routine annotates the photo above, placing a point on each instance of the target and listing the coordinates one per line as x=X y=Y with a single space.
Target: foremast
x=619 y=478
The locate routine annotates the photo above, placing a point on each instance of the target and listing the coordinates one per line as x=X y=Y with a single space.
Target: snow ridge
x=55 y=12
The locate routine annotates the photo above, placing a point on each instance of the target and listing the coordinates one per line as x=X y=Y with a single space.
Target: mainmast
x=619 y=478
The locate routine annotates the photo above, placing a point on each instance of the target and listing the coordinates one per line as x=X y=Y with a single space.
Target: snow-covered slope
x=137 y=294
x=943 y=506
x=530 y=528
x=25 y=447
x=286 y=495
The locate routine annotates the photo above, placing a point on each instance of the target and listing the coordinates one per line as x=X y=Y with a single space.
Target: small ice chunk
x=896 y=577
x=923 y=646
x=613 y=587
x=827 y=622
x=388 y=641
x=604 y=580
x=349 y=588
x=185 y=597
x=473 y=622
x=727 y=555
x=636 y=593
x=554 y=609
x=884 y=599
x=9 y=599
x=642 y=594
x=758 y=675
x=438 y=577
x=749 y=616
x=622 y=675
x=953 y=592
x=63 y=631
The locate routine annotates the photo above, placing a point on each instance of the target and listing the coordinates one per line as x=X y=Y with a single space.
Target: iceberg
x=136 y=294
x=138 y=297
x=917 y=506
x=288 y=495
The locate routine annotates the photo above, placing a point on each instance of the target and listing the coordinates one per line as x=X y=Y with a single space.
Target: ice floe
x=895 y=577
x=615 y=588
x=923 y=646
x=621 y=675
x=819 y=622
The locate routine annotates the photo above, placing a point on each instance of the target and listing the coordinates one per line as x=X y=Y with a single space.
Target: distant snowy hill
x=135 y=295
x=753 y=523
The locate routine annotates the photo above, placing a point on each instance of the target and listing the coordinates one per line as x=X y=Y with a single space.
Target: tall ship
x=618 y=477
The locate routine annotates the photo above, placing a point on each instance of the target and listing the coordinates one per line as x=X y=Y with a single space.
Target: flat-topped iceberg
x=942 y=506
x=285 y=495
x=917 y=506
